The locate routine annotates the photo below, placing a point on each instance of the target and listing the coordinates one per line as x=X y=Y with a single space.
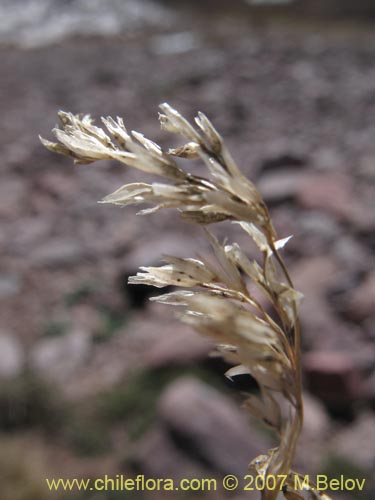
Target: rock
x=11 y=356
x=143 y=344
x=369 y=389
x=41 y=22
x=86 y=316
x=322 y=330
x=282 y=161
x=58 y=184
x=161 y=340
x=355 y=443
x=210 y=426
x=360 y=302
x=106 y=366
x=322 y=326
x=366 y=166
x=58 y=252
x=178 y=344
x=59 y=357
x=13 y=193
x=351 y=255
x=158 y=456
x=10 y=285
x=28 y=232
x=314 y=276
x=316 y=421
x=328 y=159
x=115 y=238
x=353 y=299
x=316 y=232
x=328 y=192
x=333 y=377
x=281 y=185
x=174 y=43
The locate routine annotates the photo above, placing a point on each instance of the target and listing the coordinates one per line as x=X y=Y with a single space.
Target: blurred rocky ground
x=96 y=380
x=31 y=23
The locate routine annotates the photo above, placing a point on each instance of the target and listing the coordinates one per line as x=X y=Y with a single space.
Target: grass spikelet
x=216 y=299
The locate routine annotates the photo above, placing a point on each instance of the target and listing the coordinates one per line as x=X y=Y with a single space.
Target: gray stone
x=60 y=357
x=158 y=456
x=27 y=233
x=174 y=43
x=281 y=186
x=58 y=252
x=356 y=443
x=315 y=233
x=322 y=330
x=320 y=225
x=211 y=425
x=11 y=356
x=10 y=285
x=13 y=193
x=360 y=302
x=38 y=22
x=351 y=255
x=316 y=421
x=178 y=344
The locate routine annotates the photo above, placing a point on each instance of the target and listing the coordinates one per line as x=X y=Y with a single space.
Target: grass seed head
x=215 y=298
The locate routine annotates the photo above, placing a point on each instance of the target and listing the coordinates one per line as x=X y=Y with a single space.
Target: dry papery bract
x=216 y=299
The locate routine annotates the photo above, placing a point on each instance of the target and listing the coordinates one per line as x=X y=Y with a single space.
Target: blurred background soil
x=96 y=380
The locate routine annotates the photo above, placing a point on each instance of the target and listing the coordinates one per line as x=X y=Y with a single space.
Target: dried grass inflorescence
x=216 y=299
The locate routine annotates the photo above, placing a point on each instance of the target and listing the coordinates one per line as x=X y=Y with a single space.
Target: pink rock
x=211 y=425
x=329 y=192
x=313 y=276
x=179 y=345
x=333 y=377
x=158 y=456
x=361 y=301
